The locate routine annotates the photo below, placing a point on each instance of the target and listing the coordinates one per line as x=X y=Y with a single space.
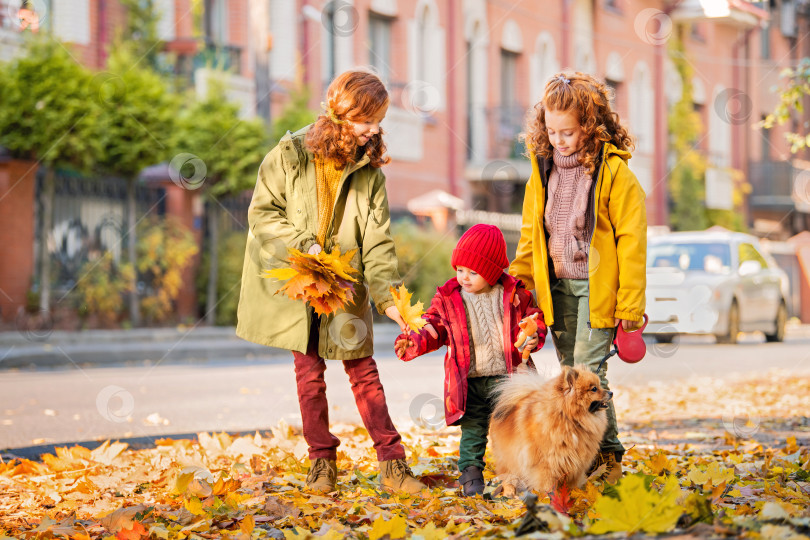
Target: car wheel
x=781 y=320
x=733 y=325
x=664 y=338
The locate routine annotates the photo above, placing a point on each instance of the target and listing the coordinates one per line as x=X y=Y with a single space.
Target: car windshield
x=713 y=258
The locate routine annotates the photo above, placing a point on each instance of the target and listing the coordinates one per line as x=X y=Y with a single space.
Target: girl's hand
x=401 y=346
x=393 y=313
x=626 y=325
x=532 y=342
x=314 y=249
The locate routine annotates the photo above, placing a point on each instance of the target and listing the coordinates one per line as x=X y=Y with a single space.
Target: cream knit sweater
x=485 y=322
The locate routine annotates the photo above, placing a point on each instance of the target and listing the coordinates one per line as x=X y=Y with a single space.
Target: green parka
x=284 y=213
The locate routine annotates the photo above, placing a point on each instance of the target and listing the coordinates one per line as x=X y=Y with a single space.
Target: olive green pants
x=577 y=343
x=475 y=422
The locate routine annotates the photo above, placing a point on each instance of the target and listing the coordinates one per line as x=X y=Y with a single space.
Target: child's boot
x=395 y=475
x=472 y=481
x=322 y=475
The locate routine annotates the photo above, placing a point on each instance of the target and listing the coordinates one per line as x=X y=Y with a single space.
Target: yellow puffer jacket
x=618 y=251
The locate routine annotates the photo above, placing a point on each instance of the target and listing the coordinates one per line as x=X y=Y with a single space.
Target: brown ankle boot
x=322 y=475
x=395 y=475
x=613 y=463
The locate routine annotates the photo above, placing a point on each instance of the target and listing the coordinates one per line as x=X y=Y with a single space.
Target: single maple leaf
x=135 y=533
x=396 y=527
x=411 y=314
x=638 y=509
x=561 y=499
x=712 y=476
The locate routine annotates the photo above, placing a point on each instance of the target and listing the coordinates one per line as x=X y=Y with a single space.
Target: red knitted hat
x=482 y=249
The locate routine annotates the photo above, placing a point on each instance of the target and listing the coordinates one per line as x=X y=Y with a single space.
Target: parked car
x=713 y=282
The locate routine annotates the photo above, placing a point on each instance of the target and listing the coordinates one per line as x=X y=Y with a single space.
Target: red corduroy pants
x=368 y=395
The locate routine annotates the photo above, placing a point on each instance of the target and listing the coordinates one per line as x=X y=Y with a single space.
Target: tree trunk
x=132 y=239
x=213 y=266
x=46 y=200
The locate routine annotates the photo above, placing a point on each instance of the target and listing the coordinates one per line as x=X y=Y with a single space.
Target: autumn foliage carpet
x=706 y=459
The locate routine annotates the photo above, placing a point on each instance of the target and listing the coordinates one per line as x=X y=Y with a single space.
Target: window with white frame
x=71 y=20
x=284 y=34
x=426 y=45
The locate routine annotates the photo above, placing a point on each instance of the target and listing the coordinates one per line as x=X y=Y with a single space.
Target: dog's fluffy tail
x=514 y=390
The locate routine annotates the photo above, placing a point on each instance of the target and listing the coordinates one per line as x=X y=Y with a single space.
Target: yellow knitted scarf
x=327 y=178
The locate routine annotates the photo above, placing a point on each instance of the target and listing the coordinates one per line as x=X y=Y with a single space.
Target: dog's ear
x=570 y=375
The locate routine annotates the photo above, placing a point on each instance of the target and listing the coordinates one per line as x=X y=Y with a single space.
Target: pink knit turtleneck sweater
x=567 y=220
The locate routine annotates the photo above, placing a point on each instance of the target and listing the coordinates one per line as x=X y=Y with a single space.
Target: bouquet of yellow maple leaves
x=323 y=280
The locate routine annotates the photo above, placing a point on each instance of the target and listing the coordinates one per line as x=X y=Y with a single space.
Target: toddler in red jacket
x=476 y=316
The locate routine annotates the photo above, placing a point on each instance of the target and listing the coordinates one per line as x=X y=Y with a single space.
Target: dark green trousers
x=475 y=422
x=577 y=343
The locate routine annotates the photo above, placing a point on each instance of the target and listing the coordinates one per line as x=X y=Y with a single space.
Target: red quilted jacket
x=447 y=315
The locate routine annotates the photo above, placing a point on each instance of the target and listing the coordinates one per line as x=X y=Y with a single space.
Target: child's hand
x=401 y=346
x=314 y=249
x=522 y=368
x=532 y=342
x=431 y=331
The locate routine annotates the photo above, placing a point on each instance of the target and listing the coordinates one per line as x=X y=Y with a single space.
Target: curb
x=100 y=348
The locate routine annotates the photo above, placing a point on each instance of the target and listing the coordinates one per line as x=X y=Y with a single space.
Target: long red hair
x=588 y=98
x=354 y=96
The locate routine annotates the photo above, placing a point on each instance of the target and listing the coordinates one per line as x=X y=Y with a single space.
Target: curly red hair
x=589 y=98
x=354 y=96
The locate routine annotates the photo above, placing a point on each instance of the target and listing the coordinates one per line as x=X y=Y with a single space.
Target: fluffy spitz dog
x=546 y=432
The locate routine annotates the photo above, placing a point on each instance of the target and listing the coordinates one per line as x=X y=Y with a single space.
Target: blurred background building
x=463 y=74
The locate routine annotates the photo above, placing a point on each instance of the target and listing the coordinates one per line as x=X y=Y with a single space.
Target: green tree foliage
x=46 y=112
x=686 y=183
x=295 y=114
x=424 y=258
x=231 y=148
x=792 y=99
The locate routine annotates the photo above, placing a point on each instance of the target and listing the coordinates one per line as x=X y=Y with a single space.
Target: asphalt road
x=82 y=404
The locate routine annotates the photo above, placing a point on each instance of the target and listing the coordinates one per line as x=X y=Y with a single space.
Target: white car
x=713 y=282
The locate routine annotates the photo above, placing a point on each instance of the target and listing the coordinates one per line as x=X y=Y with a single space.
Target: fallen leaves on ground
x=323 y=280
x=692 y=476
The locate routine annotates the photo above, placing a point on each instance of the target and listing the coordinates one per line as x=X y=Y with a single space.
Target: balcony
x=771 y=185
x=219 y=57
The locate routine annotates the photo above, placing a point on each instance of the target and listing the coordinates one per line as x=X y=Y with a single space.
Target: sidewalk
x=156 y=345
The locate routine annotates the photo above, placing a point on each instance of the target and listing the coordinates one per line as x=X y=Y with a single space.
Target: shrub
x=229 y=276
x=424 y=258
x=101 y=288
x=165 y=249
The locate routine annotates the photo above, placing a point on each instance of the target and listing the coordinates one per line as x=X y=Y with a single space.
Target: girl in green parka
x=583 y=241
x=322 y=188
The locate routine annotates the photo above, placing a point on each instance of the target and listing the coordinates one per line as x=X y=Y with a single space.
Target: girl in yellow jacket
x=583 y=240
